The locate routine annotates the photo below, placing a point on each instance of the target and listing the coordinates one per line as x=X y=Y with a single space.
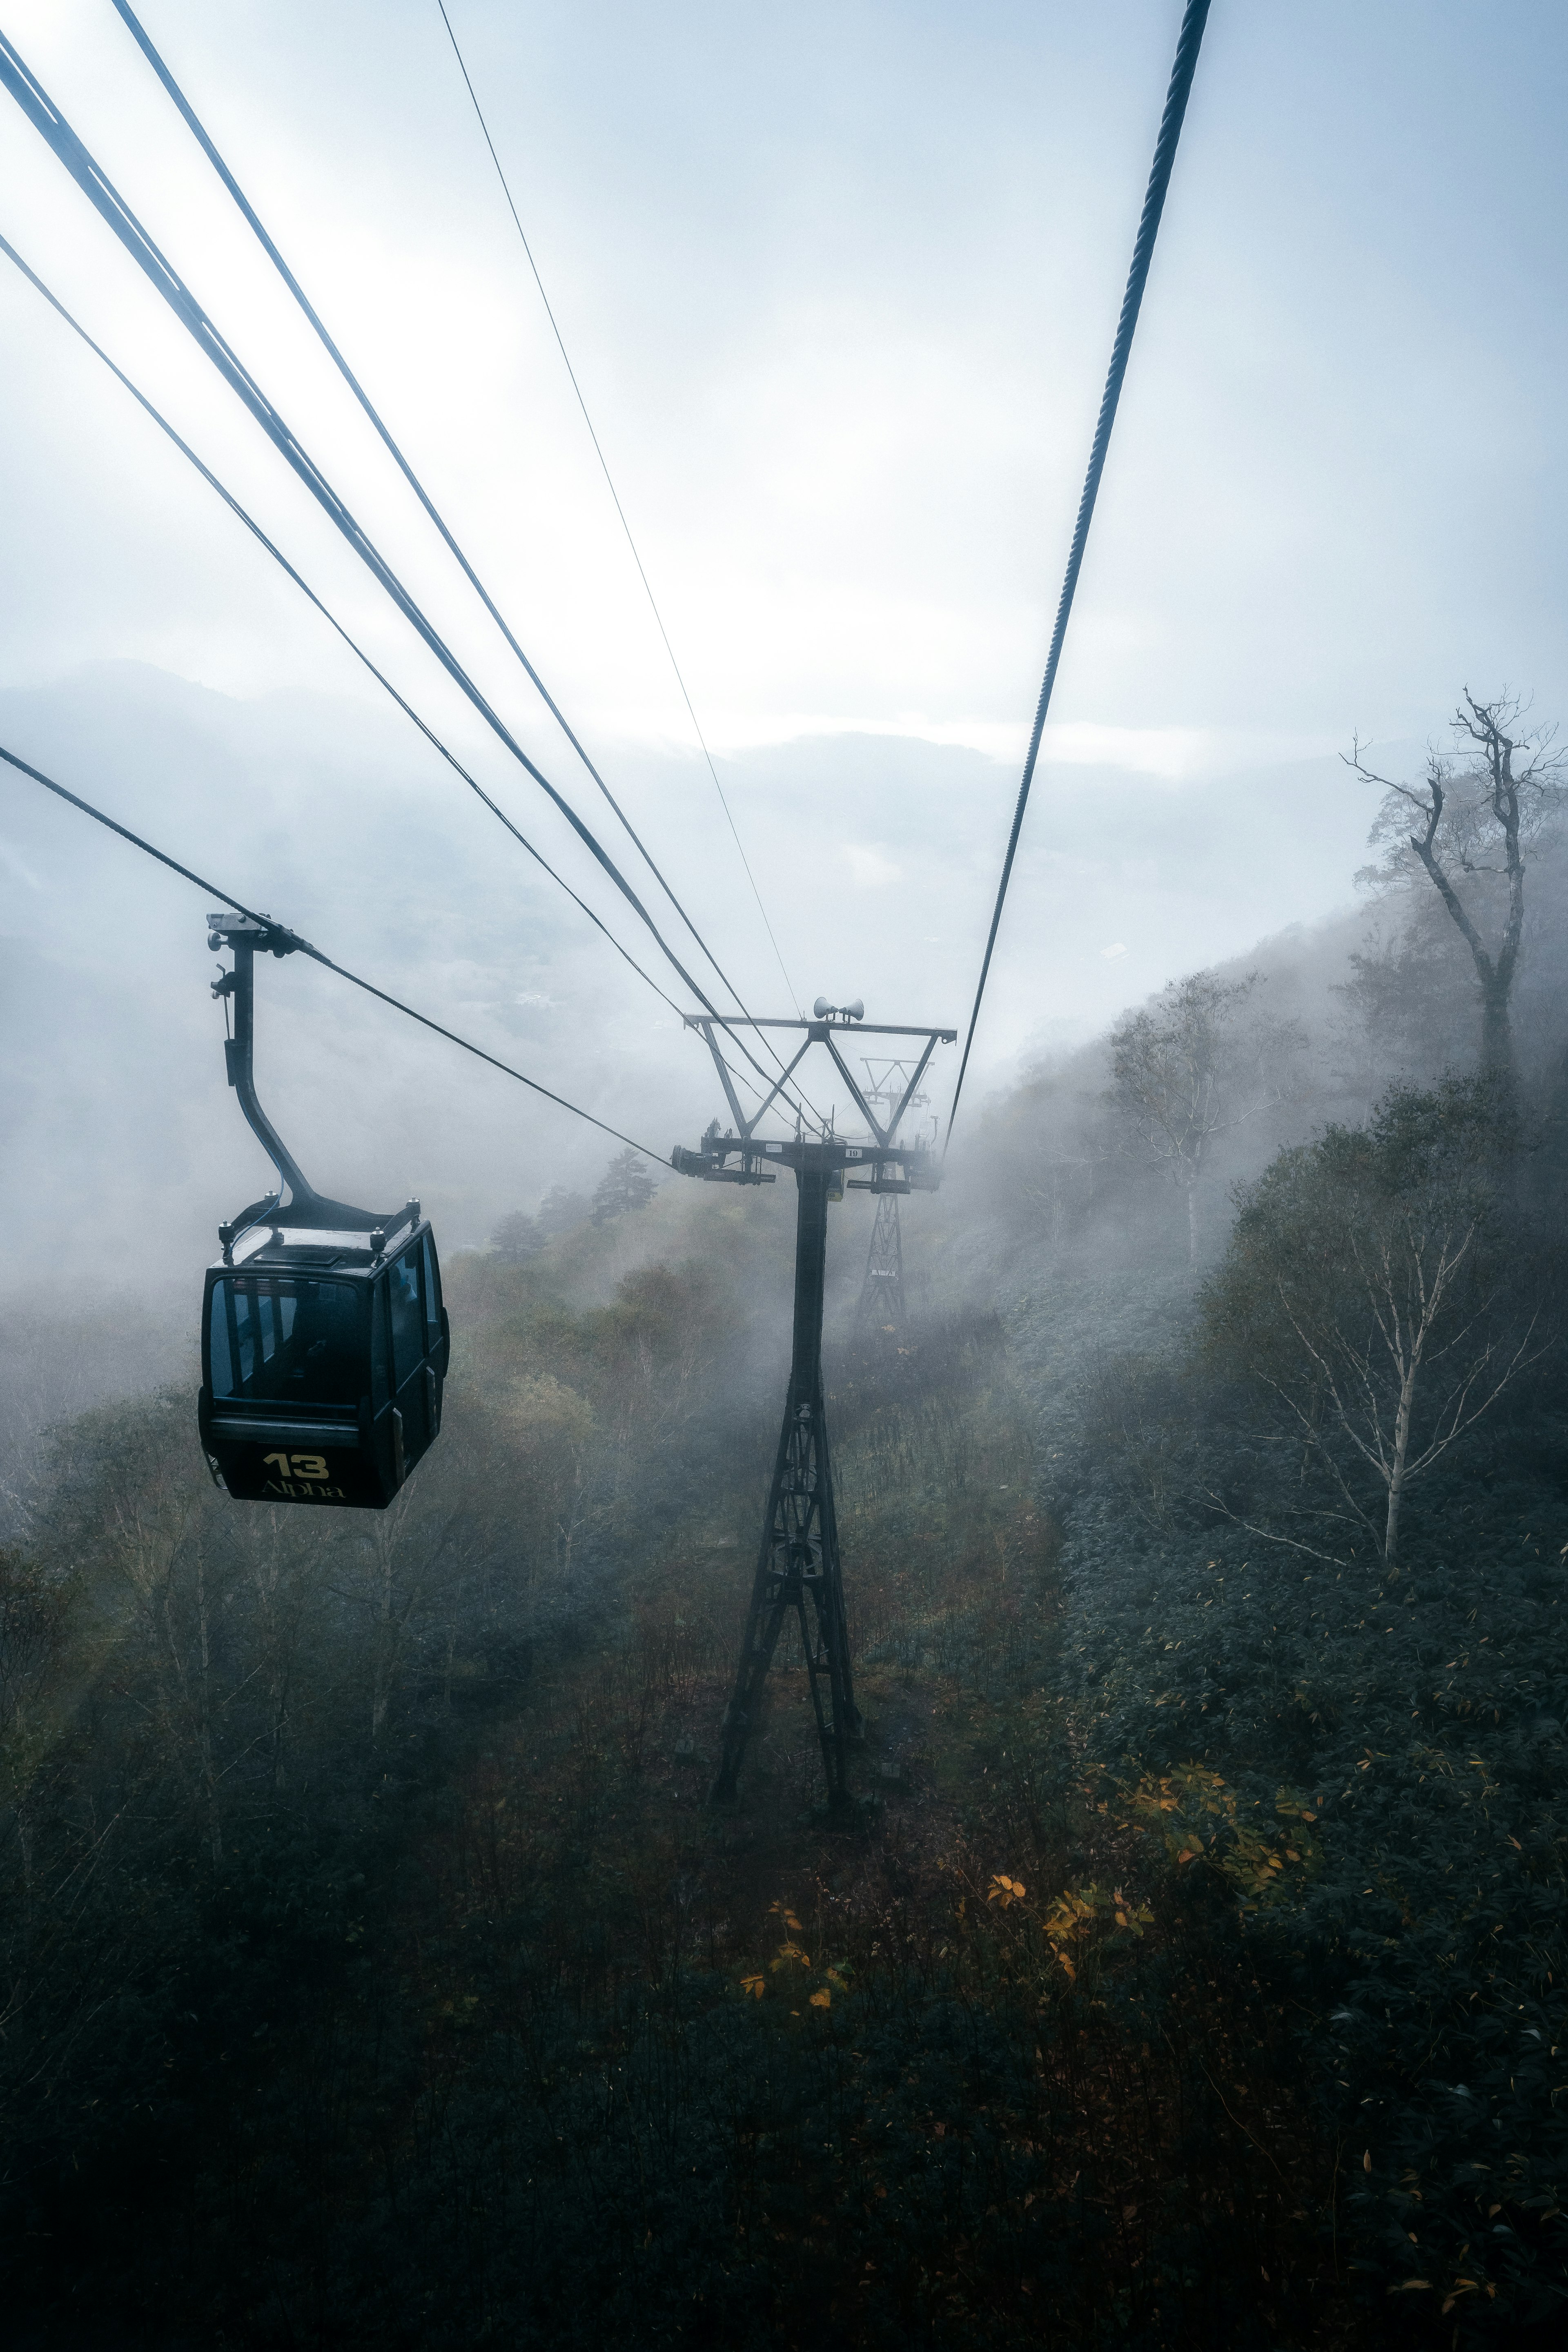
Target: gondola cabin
x=323 y=1360
x=324 y=1340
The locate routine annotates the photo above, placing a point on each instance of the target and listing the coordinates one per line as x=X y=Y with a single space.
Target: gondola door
x=414 y=1327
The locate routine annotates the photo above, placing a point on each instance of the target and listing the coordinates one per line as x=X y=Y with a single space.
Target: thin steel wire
x=1187 y=46
x=317 y=956
x=616 y=496
x=199 y=131
x=105 y=197
x=233 y=504
x=159 y=419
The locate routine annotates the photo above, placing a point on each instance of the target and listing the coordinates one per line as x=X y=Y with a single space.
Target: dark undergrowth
x=377 y=1972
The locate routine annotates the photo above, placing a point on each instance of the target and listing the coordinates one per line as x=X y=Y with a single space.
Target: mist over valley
x=783 y=1502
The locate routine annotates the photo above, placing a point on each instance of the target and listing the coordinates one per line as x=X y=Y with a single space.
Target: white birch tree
x=1191 y=1068
x=1370 y=1300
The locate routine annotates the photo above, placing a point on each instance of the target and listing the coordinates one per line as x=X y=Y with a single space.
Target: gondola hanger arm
x=245 y=936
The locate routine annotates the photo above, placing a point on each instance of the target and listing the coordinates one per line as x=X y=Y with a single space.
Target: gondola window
x=286 y=1341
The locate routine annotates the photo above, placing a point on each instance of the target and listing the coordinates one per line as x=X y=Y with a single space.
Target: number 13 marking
x=298 y=1465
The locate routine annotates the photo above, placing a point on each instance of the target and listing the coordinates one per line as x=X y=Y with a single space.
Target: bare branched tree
x=1371 y=1296
x=1365 y=1376
x=1475 y=816
x=1189 y=1068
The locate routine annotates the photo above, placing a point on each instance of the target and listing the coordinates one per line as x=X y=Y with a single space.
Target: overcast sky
x=840 y=285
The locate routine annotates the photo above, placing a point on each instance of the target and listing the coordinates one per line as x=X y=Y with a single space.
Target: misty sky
x=839 y=284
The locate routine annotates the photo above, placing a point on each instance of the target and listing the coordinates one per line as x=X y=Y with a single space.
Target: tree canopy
x=627 y=1184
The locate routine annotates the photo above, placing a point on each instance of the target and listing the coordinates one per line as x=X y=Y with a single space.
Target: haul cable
x=111 y=207
x=282 y=933
x=614 y=494
x=251 y=525
x=306 y=590
x=1188 y=43
x=199 y=131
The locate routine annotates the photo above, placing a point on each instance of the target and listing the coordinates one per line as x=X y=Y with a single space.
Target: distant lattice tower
x=882 y=1305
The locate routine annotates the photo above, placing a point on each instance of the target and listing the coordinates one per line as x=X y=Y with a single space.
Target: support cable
x=111 y=207
x=1188 y=43
x=306 y=590
x=199 y=132
x=317 y=955
x=351 y=643
x=162 y=422
x=615 y=496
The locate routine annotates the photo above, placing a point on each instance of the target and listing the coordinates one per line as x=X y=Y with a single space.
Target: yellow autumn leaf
x=822 y=2000
x=754 y=1986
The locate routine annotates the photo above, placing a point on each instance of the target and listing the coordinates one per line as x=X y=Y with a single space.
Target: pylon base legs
x=798 y=1575
x=798 y=1566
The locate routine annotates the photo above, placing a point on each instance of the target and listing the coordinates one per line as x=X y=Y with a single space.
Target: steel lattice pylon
x=798 y=1569
x=881 y=1303
x=890 y=1085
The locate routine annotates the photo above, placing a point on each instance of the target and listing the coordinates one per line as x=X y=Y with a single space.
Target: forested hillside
x=377 y=1973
